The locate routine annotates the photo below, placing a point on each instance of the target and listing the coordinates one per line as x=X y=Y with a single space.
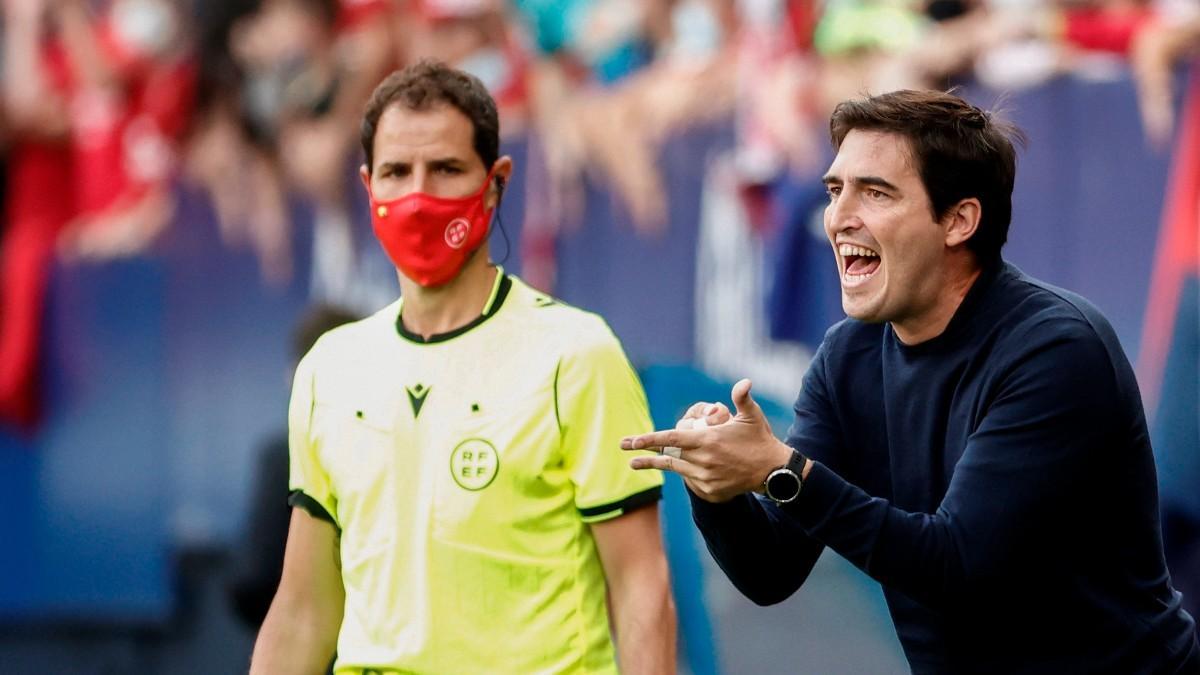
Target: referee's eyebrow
x=393 y=167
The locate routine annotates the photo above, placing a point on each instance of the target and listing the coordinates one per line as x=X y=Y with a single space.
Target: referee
x=460 y=505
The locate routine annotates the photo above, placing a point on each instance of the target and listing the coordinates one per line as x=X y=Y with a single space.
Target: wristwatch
x=783 y=484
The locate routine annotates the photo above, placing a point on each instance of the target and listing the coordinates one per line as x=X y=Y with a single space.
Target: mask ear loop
x=500 y=221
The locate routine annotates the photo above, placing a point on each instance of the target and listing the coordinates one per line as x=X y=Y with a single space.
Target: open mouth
x=860 y=263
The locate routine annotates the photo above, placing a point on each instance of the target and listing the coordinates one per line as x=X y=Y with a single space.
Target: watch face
x=783 y=485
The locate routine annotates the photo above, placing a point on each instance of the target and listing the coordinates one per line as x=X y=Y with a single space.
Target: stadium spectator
x=1155 y=53
x=97 y=105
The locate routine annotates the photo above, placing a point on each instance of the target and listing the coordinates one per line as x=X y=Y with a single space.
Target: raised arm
x=763 y=551
x=31 y=105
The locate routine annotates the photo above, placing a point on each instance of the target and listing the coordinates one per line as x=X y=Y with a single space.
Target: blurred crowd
x=110 y=105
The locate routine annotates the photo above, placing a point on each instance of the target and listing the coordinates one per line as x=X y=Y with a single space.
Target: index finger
x=676 y=438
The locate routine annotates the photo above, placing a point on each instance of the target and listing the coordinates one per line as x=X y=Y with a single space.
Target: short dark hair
x=959 y=150
x=426 y=84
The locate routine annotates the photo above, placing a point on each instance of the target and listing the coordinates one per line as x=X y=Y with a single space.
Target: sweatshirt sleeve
x=762 y=549
x=1021 y=476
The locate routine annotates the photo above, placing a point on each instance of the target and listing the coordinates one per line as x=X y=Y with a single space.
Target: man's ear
x=501 y=172
x=365 y=175
x=962 y=221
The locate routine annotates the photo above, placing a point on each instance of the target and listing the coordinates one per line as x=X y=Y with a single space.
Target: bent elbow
x=767 y=599
x=765 y=593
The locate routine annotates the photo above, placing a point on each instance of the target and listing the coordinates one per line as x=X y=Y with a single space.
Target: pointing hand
x=722 y=459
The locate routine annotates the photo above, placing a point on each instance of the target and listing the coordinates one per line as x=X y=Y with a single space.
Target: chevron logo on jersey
x=416 y=397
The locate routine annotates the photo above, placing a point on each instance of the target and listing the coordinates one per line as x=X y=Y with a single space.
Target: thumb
x=744 y=402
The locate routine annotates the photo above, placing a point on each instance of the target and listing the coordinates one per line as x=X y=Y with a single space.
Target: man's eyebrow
x=443 y=162
x=875 y=181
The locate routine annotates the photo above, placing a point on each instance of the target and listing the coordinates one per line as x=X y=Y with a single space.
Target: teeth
x=850 y=249
x=856 y=277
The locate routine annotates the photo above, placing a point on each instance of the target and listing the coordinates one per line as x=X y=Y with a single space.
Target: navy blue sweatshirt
x=997 y=480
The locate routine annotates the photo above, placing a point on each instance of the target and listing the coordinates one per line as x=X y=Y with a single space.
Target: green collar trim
x=500 y=289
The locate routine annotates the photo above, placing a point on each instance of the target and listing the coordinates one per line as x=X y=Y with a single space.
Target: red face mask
x=430 y=238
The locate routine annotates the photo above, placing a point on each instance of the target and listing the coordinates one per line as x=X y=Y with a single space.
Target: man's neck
x=433 y=311
x=959 y=278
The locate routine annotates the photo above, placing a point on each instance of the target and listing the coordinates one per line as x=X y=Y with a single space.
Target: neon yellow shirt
x=462 y=472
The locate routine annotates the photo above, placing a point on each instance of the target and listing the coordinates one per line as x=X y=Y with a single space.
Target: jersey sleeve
x=308 y=482
x=600 y=400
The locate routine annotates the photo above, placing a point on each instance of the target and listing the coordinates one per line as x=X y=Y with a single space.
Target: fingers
x=712 y=413
x=717 y=413
x=683 y=423
x=665 y=463
x=679 y=438
x=743 y=401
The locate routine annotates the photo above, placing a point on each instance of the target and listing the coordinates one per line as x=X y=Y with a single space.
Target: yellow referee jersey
x=462 y=472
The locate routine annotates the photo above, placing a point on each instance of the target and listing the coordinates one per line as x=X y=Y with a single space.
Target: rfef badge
x=474 y=464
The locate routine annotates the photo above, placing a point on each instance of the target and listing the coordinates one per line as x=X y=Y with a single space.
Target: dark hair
x=426 y=84
x=959 y=151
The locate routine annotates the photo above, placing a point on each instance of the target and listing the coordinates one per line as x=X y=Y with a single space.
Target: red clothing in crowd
x=1104 y=30
x=355 y=13
x=39 y=203
x=124 y=143
x=120 y=147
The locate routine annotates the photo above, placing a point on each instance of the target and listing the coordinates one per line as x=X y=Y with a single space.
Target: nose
x=841 y=215
x=419 y=180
